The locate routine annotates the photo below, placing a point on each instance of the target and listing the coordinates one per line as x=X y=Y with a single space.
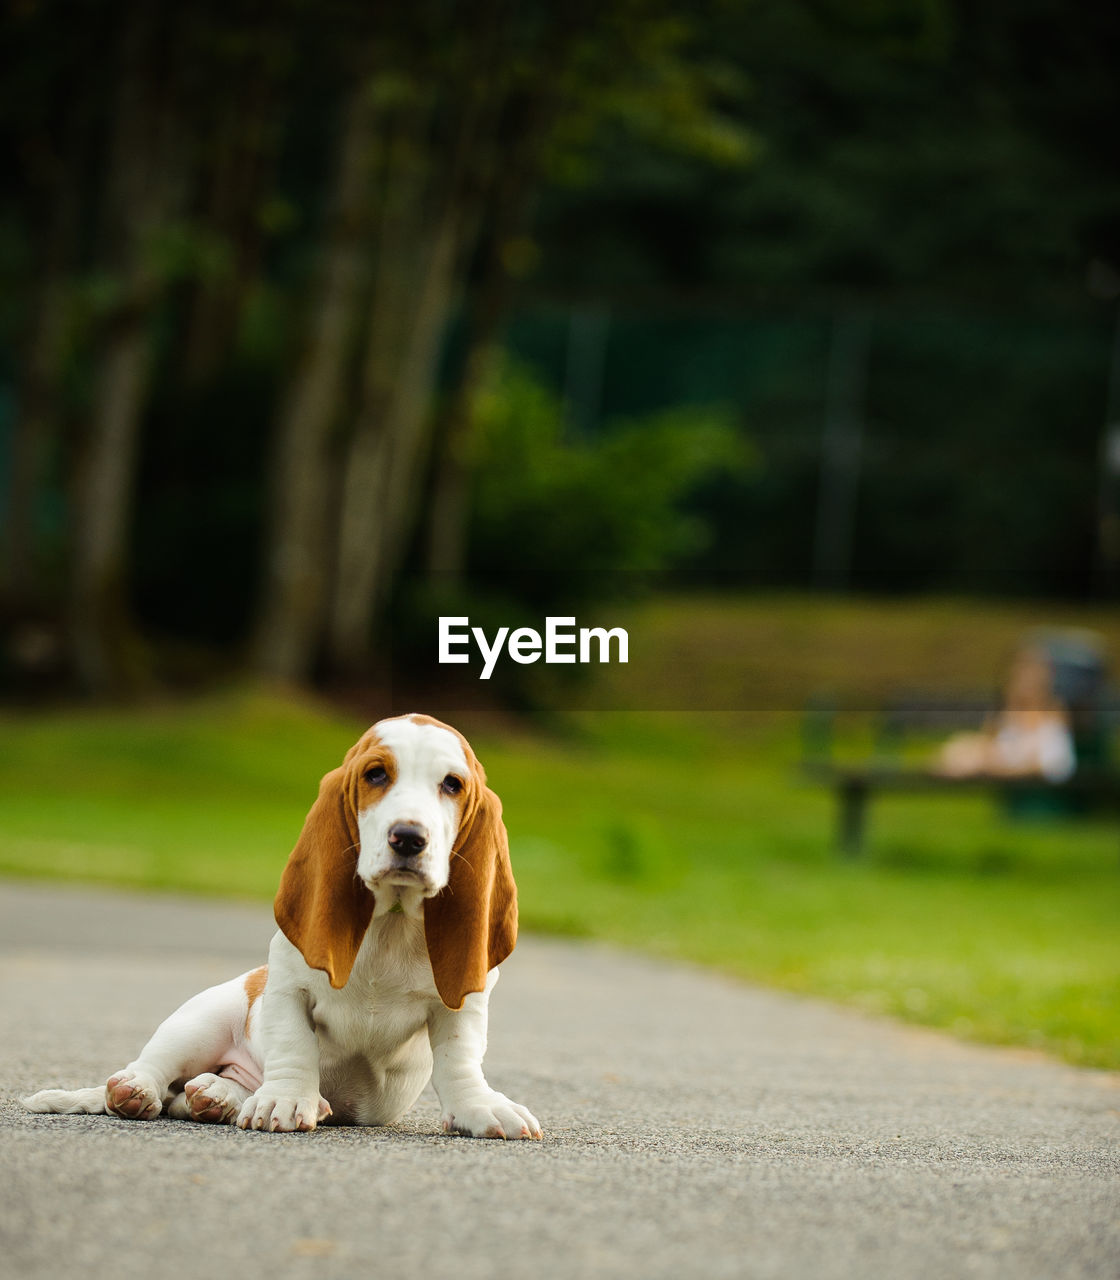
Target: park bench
x=1094 y=785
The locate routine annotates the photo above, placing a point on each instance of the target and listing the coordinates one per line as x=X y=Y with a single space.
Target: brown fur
x=254 y=987
x=324 y=909
x=255 y=983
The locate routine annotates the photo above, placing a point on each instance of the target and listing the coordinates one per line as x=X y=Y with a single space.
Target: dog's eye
x=375 y=776
x=451 y=784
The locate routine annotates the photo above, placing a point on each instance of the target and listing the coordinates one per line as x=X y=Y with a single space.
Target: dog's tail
x=68 y=1102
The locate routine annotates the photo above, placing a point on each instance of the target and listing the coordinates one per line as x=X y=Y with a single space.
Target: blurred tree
x=533 y=475
x=927 y=150
x=143 y=195
x=289 y=623
x=261 y=226
x=455 y=139
x=47 y=138
x=413 y=171
x=642 y=72
x=935 y=161
x=111 y=184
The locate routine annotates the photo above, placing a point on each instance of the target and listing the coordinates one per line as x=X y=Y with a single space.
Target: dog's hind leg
x=198 y=1037
x=209 y=1099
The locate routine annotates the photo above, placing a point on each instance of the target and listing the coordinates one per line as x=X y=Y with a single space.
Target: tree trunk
x=243 y=145
x=510 y=182
x=145 y=187
x=56 y=204
x=392 y=438
x=34 y=433
x=103 y=642
x=289 y=623
x=387 y=455
x=435 y=198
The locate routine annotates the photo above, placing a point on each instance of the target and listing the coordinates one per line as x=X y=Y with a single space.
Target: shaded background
x=307 y=314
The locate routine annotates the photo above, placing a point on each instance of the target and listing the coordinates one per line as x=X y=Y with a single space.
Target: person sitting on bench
x=1030 y=736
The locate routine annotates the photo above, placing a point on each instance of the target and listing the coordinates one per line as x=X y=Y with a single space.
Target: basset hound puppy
x=395 y=909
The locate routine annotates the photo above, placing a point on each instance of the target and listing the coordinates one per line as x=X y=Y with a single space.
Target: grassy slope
x=687 y=835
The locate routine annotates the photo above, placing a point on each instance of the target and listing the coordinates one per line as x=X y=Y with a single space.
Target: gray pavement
x=693 y=1127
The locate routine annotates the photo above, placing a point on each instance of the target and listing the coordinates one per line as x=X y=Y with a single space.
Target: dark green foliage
x=717 y=184
x=931 y=149
x=548 y=500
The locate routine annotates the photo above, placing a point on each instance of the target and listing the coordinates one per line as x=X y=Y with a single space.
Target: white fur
x=361 y=1054
x=425 y=755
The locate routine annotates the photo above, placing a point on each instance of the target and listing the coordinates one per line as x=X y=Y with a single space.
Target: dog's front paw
x=133 y=1096
x=490 y=1115
x=275 y=1112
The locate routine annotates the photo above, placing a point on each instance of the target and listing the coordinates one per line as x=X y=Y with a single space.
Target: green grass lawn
x=957 y=918
x=685 y=835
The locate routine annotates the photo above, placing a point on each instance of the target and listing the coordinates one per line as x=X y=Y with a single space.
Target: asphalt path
x=694 y=1127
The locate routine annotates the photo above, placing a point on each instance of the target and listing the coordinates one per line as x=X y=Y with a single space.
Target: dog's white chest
x=386 y=1000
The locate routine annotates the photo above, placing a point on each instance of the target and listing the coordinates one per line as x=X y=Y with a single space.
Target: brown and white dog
x=395 y=909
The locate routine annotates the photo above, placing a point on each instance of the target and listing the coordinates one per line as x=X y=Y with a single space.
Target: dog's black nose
x=408 y=839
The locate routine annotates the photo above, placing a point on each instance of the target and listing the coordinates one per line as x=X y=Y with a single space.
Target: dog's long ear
x=321 y=905
x=471 y=925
